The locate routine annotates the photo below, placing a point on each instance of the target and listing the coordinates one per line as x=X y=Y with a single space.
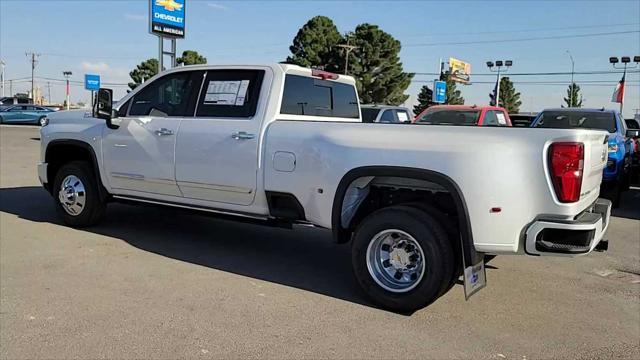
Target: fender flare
x=94 y=159
x=341 y=235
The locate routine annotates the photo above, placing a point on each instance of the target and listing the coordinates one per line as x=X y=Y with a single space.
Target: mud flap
x=474 y=275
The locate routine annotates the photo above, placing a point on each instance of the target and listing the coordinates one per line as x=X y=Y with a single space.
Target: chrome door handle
x=242 y=135
x=164 y=132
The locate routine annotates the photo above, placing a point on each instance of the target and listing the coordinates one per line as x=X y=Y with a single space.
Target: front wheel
x=75 y=192
x=402 y=258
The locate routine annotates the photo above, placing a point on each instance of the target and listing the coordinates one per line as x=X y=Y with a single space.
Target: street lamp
x=498 y=66
x=573 y=64
x=625 y=60
x=67 y=74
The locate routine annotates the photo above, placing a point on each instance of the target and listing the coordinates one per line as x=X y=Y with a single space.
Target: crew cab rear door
x=217 y=149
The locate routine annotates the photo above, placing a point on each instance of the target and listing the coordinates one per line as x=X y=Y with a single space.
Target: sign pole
x=160 y=53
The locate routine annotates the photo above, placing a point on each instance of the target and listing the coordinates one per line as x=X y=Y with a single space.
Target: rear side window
x=490 y=119
x=309 y=96
x=230 y=93
x=167 y=96
x=369 y=115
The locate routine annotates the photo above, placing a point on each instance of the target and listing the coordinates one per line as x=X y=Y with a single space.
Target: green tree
x=191 y=57
x=454 y=96
x=144 y=71
x=574 y=97
x=376 y=66
x=425 y=97
x=315 y=45
x=508 y=97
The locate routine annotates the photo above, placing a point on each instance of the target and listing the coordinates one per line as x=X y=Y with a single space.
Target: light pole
x=2 y=63
x=67 y=74
x=499 y=66
x=573 y=64
x=624 y=60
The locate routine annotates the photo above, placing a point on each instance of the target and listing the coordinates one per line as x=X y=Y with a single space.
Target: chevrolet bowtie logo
x=169 y=5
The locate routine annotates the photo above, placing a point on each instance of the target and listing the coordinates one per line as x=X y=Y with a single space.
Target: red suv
x=469 y=115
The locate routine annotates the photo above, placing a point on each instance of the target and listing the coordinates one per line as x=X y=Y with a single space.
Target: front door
x=139 y=154
x=217 y=150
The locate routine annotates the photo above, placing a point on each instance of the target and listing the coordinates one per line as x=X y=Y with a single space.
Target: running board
x=201 y=210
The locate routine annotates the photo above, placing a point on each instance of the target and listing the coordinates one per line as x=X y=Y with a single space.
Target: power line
x=596 y=72
x=527 y=30
x=523 y=39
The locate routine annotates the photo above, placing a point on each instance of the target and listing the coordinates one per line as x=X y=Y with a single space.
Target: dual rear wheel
x=403 y=258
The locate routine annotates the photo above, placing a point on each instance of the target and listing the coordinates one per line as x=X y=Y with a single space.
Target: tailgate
x=595 y=160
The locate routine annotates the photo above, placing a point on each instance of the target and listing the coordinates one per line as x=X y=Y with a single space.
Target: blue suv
x=617 y=172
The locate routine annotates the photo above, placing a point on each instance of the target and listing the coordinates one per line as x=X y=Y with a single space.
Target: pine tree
x=574 y=97
x=424 y=100
x=376 y=66
x=315 y=45
x=191 y=57
x=454 y=96
x=508 y=97
x=144 y=71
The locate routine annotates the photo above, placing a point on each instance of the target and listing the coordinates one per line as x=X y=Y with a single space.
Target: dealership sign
x=166 y=18
x=459 y=71
x=439 y=92
x=92 y=82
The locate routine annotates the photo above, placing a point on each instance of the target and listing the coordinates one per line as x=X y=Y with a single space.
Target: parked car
x=620 y=142
x=634 y=124
x=466 y=115
x=14 y=100
x=23 y=114
x=522 y=119
x=385 y=114
x=263 y=144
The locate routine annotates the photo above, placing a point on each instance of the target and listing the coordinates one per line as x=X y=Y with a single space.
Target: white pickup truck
x=281 y=145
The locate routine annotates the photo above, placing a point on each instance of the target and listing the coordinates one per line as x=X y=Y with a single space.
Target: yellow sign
x=459 y=71
x=169 y=5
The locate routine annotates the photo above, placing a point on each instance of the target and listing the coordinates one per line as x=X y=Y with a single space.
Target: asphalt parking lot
x=159 y=283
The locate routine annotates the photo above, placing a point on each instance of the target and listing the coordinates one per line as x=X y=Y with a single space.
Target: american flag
x=618 y=93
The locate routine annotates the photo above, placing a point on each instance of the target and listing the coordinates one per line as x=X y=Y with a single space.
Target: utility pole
x=49 y=92
x=572 y=84
x=348 y=48
x=34 y=61
x=10 y=87
x=2 y=63
x=67 y=74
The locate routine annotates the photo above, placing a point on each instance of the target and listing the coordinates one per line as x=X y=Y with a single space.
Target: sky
x=110 y=37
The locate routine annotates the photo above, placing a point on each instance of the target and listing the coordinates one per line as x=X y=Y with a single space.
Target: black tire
x=439 y=259
x=453 y=235
x=40 y=120
x=93 y=207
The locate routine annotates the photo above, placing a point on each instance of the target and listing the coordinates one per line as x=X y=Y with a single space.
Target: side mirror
x=632 y=133
x=104 y=106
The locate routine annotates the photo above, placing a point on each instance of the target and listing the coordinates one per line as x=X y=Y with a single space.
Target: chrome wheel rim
x=395 y=260
x=72 y=195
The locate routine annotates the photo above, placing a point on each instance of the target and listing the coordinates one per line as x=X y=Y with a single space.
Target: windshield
x=369 y=115
x=577 y=119
x=450 y=117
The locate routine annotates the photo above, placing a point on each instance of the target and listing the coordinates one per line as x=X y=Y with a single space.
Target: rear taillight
x=566 y=162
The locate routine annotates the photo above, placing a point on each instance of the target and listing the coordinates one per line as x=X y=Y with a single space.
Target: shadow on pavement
x=629 y=205
x=304 y=258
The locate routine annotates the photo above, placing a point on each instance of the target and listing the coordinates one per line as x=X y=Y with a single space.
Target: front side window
x=167 y=96
x=309 y=96
x=577 y=119
x=490 y=119
x=388 y=116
